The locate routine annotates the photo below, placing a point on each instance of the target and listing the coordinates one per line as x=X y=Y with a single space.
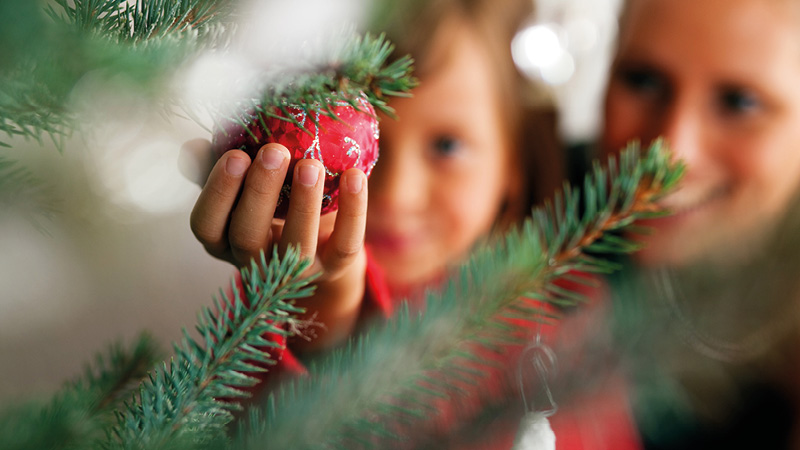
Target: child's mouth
x=389 y=241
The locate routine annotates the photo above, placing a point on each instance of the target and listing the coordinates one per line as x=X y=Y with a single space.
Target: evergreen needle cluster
x=381 y=388
x=28 y=196
x=144 y=41
x=48 y=50
x=82 y=413
x=361 y=68
x=189 y=401
x=128 y=402
x=138 y=21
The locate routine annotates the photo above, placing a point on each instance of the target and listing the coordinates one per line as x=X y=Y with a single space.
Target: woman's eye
x=446 y=146
x=737 y=101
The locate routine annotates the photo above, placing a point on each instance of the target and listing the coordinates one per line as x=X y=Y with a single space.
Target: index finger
x=213 y=209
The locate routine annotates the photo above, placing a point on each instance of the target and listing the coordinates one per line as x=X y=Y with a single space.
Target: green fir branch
x=116 y=373
x=139 y=21
x=190 y=400
x=139 y=43
x=26 y=195
x=361 y=68
x=384 y=383
x=102 y=17
x=80 y=414
x=364 y=394
x=160 y=18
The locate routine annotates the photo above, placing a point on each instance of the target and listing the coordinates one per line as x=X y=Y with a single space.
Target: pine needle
x=391 y=364
x=140 y=42
x=80 y=414
x=189 y=401
x=25 y=195
x=360 y=69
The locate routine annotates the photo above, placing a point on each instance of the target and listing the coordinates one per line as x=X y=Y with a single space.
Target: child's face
x=720 y=80
x=444 y=169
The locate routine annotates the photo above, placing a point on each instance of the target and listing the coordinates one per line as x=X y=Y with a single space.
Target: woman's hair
x=413 y=25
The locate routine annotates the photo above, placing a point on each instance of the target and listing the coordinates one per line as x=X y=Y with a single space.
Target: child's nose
x=397 y=184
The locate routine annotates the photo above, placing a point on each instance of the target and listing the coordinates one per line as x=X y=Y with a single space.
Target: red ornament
x=351 y=141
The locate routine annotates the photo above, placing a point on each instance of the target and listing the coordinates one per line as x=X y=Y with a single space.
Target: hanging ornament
x=346 y=141
x=535 y=432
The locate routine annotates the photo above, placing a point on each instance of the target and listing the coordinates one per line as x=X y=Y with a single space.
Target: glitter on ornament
x=376 y=131
x=354 y=148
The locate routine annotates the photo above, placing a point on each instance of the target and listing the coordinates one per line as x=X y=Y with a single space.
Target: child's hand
x=233 y=219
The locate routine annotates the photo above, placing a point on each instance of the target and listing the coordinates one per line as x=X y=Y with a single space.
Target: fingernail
x=355 y=182
x=236 y=166
x=308 y=174
x=272 y=158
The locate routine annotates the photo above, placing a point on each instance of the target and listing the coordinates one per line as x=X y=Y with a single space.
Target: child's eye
x=737 y=101
x=446 y=146
x=646 y=83
x=643 y=81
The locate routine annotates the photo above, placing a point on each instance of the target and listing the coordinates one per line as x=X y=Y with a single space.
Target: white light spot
x=561 y=71
x=536 y=46
x=152 y=180
x=146 y=176
x=583 y=35
x=217 y=78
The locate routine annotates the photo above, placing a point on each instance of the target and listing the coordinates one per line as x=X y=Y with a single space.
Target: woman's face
x=720 y=81
x=445 y=168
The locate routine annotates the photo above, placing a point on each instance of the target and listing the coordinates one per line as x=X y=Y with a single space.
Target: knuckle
x=306 y=252
x=216 y=251
x=346 y=252
x=245 y=243
x=353 y=215
x=201 y=228
x=259 y=188
x=221 y=189
x=306 y=208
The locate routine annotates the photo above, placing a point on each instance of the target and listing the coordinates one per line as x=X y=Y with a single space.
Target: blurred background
x=110 y=253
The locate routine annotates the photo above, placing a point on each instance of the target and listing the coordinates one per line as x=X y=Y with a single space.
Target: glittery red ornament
x=351 y=141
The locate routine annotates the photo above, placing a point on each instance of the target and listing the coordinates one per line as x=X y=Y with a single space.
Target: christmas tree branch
x=139 y=42
x=80 y=414
x=190 y=400
x=141 y=20
x=391 y=378
x=397 y=372
x=116 y=373
x=358 y=70
x=24 y=194
x=147 y=39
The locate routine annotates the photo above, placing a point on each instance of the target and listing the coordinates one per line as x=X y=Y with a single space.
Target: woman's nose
x=683 y=130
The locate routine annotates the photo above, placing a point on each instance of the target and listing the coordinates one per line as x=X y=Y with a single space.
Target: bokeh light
x=537 y=46
x=568 y=45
